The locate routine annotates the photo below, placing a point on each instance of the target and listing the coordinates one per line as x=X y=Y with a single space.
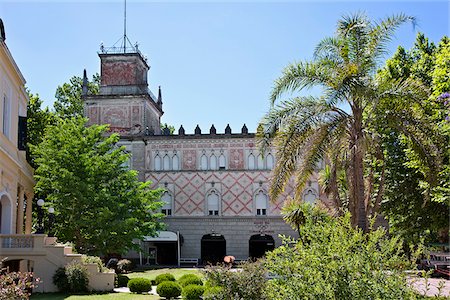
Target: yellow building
x=16 y=175
x=20 y=250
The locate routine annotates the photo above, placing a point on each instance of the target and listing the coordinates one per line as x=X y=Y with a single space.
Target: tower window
x=261 y=203
x=213 y=203
x=167 y=207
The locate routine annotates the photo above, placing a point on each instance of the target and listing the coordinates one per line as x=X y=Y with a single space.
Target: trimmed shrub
x=139 y=285
x=124 y=266
x=164 y=277
x=168 y=289
x=122 y=280
x=60 y=279
x=192 y=292
x=189 y=279
x=77 y=277
x=214 y=293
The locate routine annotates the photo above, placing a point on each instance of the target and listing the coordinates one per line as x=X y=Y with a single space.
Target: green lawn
x=150 y=274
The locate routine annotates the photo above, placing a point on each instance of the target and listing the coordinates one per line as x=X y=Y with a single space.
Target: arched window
x=167 y=207
x=213 y=203
x=222 y=162
x=157 y=162
x=203 y=162
x=310 y=196
x=260 y=162
x=261 y=203
x=175 y=162
x=213 y=162
x=251 y=162
x=270 y=161
x=166 y=162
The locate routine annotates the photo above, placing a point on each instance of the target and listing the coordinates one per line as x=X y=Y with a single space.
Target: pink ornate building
x=216 y=183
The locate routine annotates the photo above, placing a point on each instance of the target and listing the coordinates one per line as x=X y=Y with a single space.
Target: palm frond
x=314 y=149
x=382 y=32
x=298 y=76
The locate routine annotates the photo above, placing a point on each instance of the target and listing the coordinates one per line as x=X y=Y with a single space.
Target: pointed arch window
x=270 y=161
x=251 y=162
x=175 y=162
x=203 y=162
x=261 y=203
x=213 y=162
x=166 y=163
x=260 y=162
x=157 y=162
x=212 y=202
x=222 y=162
x=167 y=207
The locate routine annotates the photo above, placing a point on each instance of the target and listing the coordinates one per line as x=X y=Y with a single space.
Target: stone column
x=28 y=212
x=19 y=220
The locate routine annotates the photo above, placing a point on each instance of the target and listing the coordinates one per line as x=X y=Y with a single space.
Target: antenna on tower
x=125 y=26
x=123 y=44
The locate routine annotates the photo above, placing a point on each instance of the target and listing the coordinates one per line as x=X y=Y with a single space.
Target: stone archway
x=259 y=244
x=6 y=215
x=213 y=248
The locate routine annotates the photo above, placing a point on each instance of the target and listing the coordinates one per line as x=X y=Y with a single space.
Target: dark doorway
x=166 y=253
x=12 y=265
x=213 y=248
x=259 y=244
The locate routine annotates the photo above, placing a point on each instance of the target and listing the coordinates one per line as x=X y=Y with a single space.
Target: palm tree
x=335 y=125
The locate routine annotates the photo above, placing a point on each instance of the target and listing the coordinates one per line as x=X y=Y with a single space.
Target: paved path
x=127 y=290
x=431 y=287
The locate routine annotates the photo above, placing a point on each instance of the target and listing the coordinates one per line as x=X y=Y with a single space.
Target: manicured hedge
x=168 y=289
x=189 y=279
x=193 y=292
x=164 y=277
x=139 y=285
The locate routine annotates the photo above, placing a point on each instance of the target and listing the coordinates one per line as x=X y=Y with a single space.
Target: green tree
x=417 y=192
x=37 y=120
x=69 y=100
x=99 y=203
x=304 y=129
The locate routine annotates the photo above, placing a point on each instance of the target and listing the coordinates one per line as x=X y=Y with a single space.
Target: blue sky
x=216 y=61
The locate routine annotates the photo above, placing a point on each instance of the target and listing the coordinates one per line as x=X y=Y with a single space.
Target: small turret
x=197 y=130
x=228 y=129
x=212 y=130
x=84 y=87
x=159 y=102
x=244 y=129
x=181 y=130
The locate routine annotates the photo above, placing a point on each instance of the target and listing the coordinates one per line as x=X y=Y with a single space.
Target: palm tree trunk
x=356 y=172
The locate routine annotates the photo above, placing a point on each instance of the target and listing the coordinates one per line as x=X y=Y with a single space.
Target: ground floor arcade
x=202 y=240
